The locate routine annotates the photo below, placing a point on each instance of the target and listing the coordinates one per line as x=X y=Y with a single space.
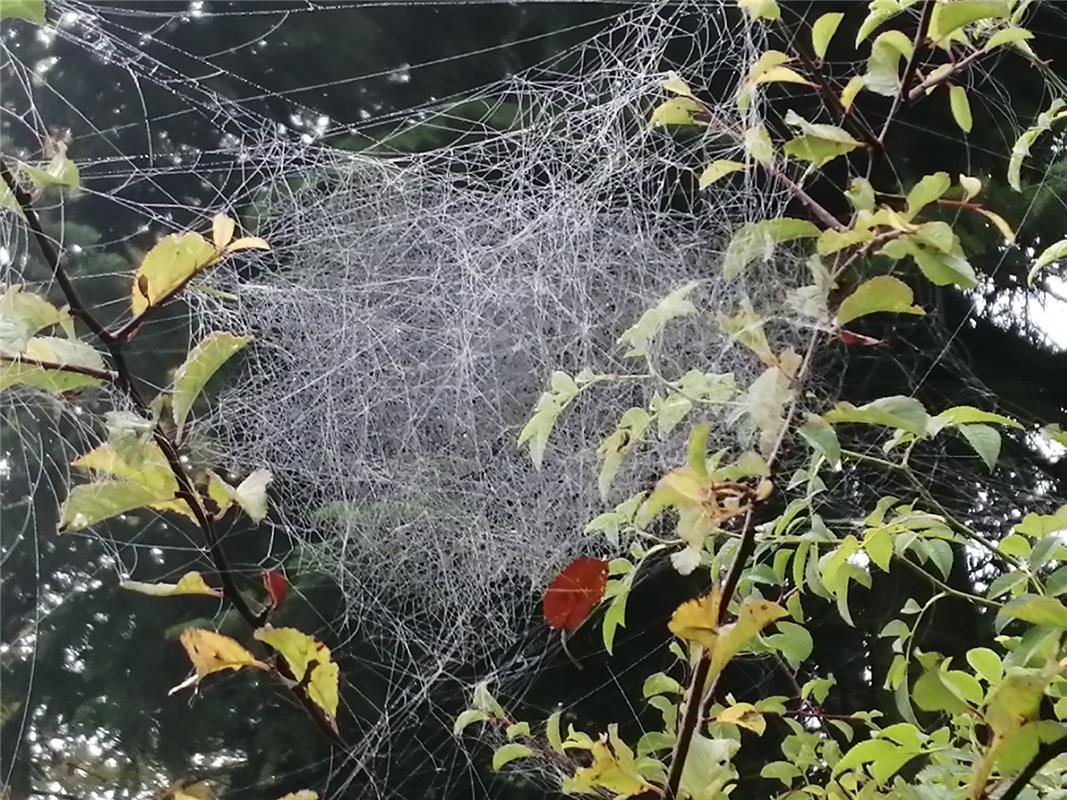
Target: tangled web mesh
x=416 y=306
x=413 y=307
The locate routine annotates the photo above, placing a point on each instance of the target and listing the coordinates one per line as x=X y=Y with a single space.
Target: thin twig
x=909 y=70
x=105 y=375
x=918 y=91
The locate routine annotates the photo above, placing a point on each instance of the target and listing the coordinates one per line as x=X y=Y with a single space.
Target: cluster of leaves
x=141 y=463
x=993 y=724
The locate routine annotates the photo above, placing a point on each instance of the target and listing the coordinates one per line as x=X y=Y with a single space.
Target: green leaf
x=90 y=503
x=707 y=770
x=855 y=85
x=23 y=315
x=512 y=751
x=202 y=363
x=941 y=268
x=1045 y=611
x=986 y=663
x=660 y=683
x=818 y=142
x=897 y=411
x=1021 y=149
x=615 y=616
x=823 y=31
x=950 y=17
x=1011 y=35
x=761 y=9
x=822 y=438
x=718 y=169
x=677 y=111
x=550 y=405
x=1051 y=254
x=1038 y=526
x=28 y=10
x=52 y=350
x=631 y=429
x=167 y=266
x=641 y=334
x=792 y=641
x=860 y=194
x=756 y=239
x=189 y=583
x=552 y=734
x=483 y=700
x=697 y=449
x=985 y=441
x=769 y=69
x=888 y=51
x=517 y=730
x=60 y=171
x=961 y=108
x=758 y=144
x=468 y=717
x=883 y=293
x=967 y=415
x=926 y=191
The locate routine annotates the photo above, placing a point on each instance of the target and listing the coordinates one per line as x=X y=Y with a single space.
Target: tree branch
x=105 y=375
x=124 y=378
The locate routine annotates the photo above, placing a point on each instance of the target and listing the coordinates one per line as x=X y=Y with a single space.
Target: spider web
x=405 y=322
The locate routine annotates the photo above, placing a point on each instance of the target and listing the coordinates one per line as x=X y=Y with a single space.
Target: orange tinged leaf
x=212 y=652
x=571 y=597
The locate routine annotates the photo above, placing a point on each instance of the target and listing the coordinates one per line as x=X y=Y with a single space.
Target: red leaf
x=276 y=586
x=850 y=338
x=575 y=592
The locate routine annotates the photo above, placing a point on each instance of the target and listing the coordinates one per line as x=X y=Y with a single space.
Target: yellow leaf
x=189 y=583
x=755 y=615
x=222 y=231
x=302 y=652
x=695 y=620
x=91 y=503
x=744 y=715
x=303 y=794
x=855 y=85
x=614 y=769
x=247 y=243
x=212 y=652
x=167 y=266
